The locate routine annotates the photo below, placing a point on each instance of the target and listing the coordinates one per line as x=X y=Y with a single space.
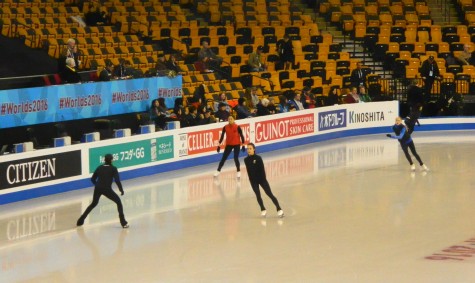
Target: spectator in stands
x=107 y=73
x=296 y=102
x=308 y=99
x=222 y=114
x=199 y=96
x=271 y=106
x=154 y=111
x=283 y=104
x=121 y=71
x=415 y=99
x=286 y=52
x=430 y=73
x=162 y=116
x=242 y=110
x=132 y=71
x=472 y=59
x=69 y=51
x=222 y=100
x=209 y=59
x=332 y=98
x=255 y=60
x=192 y=116
x=95 y=16
x=206 y=117
x=364 y=97
x=69 y=74
x=252 y=97
x=358 y=76
x=353 y=96
x=161 y=67
x=172 y=64
x=465 y=55
x=262 y=109
x=181 y=117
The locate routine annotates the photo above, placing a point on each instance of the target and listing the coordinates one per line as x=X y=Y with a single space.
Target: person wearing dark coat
x=69 y=74
x=257 y=177
x=102 y=180
x=107 y=73
x=415 y=100
x=358 y=76
x=430 y=73
x=286 y=52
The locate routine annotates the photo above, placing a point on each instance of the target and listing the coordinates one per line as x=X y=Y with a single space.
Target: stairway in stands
x=443 y=15
x=355 y=49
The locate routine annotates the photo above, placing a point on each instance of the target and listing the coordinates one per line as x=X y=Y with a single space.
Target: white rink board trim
x=200 y=142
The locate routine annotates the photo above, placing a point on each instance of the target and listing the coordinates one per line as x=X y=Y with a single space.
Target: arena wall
x=50 y=171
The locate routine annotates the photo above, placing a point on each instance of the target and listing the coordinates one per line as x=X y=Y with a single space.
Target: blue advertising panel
x=329 y=120
x=30 y=106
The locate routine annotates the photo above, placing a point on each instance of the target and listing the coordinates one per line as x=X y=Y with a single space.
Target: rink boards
x=49 y=171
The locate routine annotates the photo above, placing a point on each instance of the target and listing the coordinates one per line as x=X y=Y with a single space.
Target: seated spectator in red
x=222 y=114
x=353 y=96
x=308 y=99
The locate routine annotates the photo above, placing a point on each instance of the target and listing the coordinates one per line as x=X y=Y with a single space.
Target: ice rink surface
x=354 y=212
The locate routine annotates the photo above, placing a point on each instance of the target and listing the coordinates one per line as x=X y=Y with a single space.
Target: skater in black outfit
x=257 y=176
x=102 y=180
x=415 y=100
x=402 y=134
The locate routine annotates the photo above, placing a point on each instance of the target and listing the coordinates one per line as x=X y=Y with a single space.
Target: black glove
x=218 y=149
x=388 y=135
x=121 y=193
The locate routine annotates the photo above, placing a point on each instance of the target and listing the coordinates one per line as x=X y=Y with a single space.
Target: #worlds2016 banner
x=30 y=106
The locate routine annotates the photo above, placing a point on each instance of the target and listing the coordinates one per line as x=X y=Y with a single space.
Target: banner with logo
x=197 y=142
x=22 y=172
x=30 y=106
x=284 y=127
x=133 y=153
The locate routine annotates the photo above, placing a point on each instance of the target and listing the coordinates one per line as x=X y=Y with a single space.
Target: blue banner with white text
x=30 y=106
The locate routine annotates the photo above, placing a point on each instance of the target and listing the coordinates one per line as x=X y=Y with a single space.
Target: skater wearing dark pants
x=102 y=180
x=257 y=177
x=234 y=140
x=402 y=134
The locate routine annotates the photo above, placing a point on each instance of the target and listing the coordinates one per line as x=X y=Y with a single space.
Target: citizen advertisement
x=39 y=169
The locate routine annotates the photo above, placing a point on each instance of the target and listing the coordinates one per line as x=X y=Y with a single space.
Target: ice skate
x=425 y=168
x=238 y=175
x=263 y=213
x=413 y=167
x=216 y=174
x=280 y=213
